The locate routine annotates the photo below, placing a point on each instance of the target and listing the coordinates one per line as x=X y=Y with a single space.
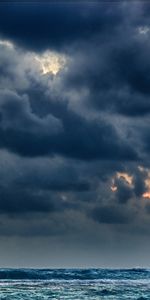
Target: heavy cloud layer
x=75 y=145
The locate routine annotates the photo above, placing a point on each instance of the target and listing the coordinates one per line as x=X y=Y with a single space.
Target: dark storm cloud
x=63 y=138
x=139 y=183
x=39 y=186
x=147 y=208
x=111 y=215
x=54 y=25
x=114 y=71
x=144 y=135
x=57 y=178
x=26 y=200
x=24 y=133
x=124 y=190
x=21 y=201
x=133 y=65
x=117 y=74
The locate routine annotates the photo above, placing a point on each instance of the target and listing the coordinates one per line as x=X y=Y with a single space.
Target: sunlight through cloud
x=51 y=62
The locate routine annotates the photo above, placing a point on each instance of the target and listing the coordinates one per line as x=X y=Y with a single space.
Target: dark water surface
x=74 y=284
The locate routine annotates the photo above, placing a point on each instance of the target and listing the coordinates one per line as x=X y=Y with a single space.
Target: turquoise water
x=74 y=284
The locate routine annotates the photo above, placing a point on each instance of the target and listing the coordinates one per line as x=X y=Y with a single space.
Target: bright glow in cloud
x=113 y=188
x=147 y=184
x=146 y=194
x=124 y=176
x=51 y=62
x=129 y=180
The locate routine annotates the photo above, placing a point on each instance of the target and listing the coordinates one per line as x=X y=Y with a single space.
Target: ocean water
x=19 y=284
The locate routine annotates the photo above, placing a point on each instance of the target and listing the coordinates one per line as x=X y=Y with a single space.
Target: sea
x=77 y=284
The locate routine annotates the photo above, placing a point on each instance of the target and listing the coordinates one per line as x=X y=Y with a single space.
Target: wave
x=73 y=274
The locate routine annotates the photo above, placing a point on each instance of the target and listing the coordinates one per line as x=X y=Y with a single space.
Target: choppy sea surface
x=17 y=284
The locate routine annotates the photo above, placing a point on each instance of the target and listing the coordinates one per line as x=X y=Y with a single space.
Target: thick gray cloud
x=74 y=146
x=111 y=215
x=59 y=132
x=48 y=27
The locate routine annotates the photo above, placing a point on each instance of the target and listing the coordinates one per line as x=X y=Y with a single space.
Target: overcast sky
x=74 y=134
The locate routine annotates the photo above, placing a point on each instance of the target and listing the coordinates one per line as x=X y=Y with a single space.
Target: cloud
x=65 y=136
x=70 y=135
x=19 y=125
x=124 y=190
x=111 y=215
x=53 y=175
x=116 y=78
x=45 y=26
x=21 y=201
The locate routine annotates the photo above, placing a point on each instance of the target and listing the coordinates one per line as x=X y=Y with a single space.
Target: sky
x=74 y=134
